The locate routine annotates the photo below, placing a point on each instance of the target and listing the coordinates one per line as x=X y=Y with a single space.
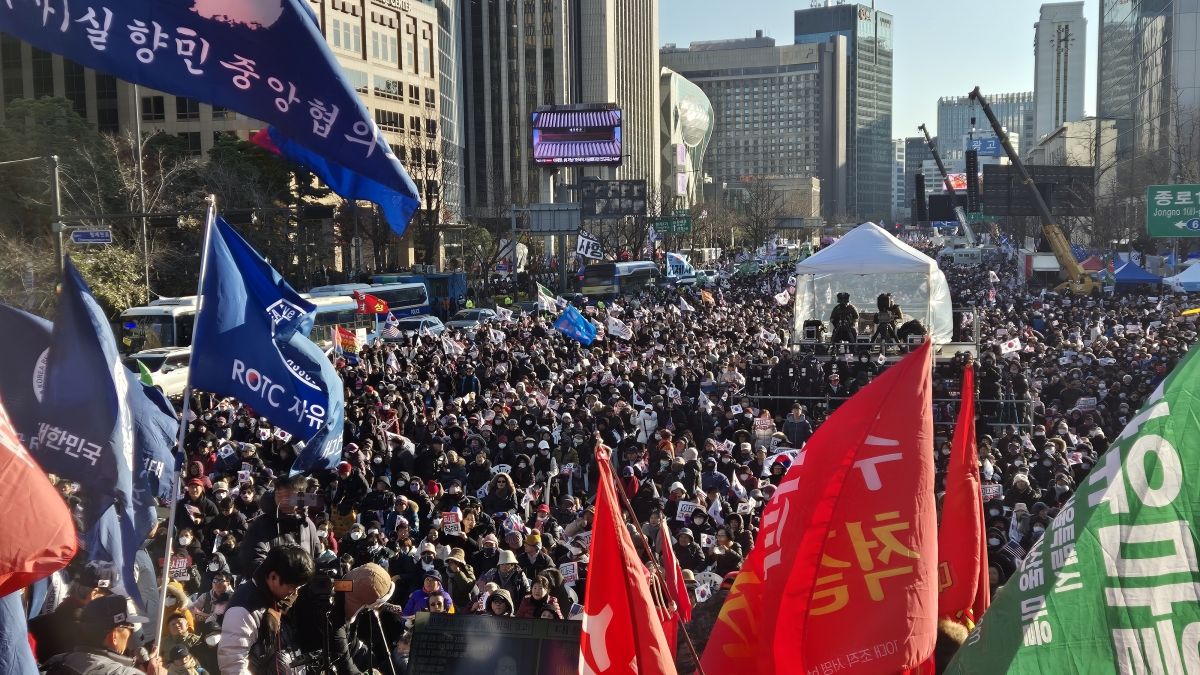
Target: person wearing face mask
x=229 y=521
x=418 y=499
x=487 y=557
x=352 y=487
x=522 y=471
x=479 y=472
x=379 y=501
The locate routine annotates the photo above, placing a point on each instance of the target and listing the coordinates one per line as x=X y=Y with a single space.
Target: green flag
x=1113 y=585
x=144 y=374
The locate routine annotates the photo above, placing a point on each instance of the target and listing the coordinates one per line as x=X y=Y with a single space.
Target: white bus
x=403 y=299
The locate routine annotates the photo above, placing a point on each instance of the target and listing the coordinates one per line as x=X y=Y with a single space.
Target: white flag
x=617 y=328
x=705 y=404
x=715 y=512
x=684 y=306
x=452 y=347
x=392 y=363
x=782 y=298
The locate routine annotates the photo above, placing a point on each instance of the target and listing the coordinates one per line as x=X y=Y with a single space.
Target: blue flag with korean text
x=251 y=343
x=155 y=426
x=266 y=59
x=85 y=432
x=572 y=324
x=25 y=343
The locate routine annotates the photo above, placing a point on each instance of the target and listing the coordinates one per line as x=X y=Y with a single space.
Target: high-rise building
x=868 y=34
x=687 y=128
x=1148 y=78
x=899 y=205
x=780 y=111
x=1059 y=53
x=519 y=55
x=450 y=88
x=959 y=118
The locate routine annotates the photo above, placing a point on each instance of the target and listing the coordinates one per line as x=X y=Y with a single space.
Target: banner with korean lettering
x=1111 y=586
x=843 y=571
x=266 y=59
x=251 y=342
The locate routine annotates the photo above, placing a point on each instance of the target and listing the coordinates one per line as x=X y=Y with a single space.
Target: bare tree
x=763 y=204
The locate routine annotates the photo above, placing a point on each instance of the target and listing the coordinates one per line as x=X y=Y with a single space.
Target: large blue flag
x=85 y=431
x=155 y=429
x=16 y=657
x=25 y=342
x=573 y=325
x=116 y=538
x=264 y=58
x=397 y=207
x=251 y=343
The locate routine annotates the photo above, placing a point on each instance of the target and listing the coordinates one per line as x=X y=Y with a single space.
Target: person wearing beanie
x=419 y=600
x=370 y=587
x=533 y=557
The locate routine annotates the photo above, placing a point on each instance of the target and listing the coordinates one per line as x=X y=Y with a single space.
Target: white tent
x=869 y=261
x=1188 y=280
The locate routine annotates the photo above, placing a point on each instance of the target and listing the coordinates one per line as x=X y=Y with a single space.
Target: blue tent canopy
x=1130 y=275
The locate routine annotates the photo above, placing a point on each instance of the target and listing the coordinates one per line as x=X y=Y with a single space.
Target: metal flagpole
x=209 y=219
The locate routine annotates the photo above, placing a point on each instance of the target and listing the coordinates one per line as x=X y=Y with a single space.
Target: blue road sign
x=986 y=147
x=91 y=237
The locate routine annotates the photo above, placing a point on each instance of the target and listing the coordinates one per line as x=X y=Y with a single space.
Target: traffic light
x=922 y=210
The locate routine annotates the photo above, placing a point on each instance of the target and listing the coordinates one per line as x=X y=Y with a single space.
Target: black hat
x=99 y=574
x=179 y=652
x=433 y=574
x=109 y=612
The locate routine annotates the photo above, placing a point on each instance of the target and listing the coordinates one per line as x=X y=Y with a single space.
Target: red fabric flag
x=831 y=583
x=39 y=535
x=621 y=630
x=963 y=593
x=676 y=587
x=369 y=304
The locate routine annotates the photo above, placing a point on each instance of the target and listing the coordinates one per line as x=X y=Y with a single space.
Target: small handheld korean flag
x=1013 y=345
x=782 y=297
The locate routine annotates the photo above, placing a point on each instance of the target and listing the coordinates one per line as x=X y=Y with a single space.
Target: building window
x=106 y=104
x=431 y=128
x=427 y=55
x=221 y=113
x=410 y=48
x=187 y=108
x=219 y=136
x=357 y=78
x=414 y=94
x=414 y=125
x=430 y=98
x=383 y=47
x=389 y=121
x=73 y=87
x=347 y=36
x=153 y=109
x=43 y=73
x=388 y=88
x=193 y=140
x=10 y=65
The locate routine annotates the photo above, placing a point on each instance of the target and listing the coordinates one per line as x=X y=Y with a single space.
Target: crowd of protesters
x=466 y=479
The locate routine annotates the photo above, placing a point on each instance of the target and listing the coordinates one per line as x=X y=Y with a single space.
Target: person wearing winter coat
x=796 y=427
x=688 y=552
x=352 y=487
x=282 y=522
x=539 y=598
x=508 y=576
x=501 y=496
x=460 y=578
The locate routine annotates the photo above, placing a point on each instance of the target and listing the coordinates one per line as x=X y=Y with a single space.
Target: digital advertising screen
x=585 y=133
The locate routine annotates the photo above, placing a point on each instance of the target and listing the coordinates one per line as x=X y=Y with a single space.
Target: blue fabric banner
x=397 y=207
x=16 y=657
x=85 y=431
x=572 y=324
x=25 y=342
x=251 y=342
x=264 y=58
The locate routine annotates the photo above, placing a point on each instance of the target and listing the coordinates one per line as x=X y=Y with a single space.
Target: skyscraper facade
x=899 y=205
x=1060 y=52
x=958 y=117
x=521 y=54
x=1148 y=78
x=915 y=154
x=779 y=111
x=868 y=34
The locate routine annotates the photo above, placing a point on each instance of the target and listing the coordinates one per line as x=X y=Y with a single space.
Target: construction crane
x=959 y=211
x=1078 y=282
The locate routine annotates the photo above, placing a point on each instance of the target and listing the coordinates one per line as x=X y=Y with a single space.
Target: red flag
x=963 y=593
x=676 y=587
x=843 y=572
x=621 y=630
x=39 y=535
x=369 y=304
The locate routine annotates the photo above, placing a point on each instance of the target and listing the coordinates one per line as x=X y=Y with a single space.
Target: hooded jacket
x=275 y=529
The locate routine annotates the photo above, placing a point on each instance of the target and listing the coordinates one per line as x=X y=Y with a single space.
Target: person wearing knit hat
x=431 y=584
x=534 y=558
x=370 y=587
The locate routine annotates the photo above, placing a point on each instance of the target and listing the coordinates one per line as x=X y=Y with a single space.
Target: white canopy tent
x=864 y=263
x=1186 y=281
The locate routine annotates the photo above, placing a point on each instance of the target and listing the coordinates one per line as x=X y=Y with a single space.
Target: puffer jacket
x=93 y=662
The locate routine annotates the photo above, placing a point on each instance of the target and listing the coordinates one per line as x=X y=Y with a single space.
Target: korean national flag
x=1013 y=345
x=251 y=343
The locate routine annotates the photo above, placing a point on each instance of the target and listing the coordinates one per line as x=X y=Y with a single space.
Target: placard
x=1086 y=404
x=570 y=572
x=990 y=492
x=501 y=468
x=685 y=510
x=451 y=522
x=179 y=567
x=466 y=644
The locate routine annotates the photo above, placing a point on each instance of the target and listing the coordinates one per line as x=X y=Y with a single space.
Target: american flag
x=390 y=332
x=741 y=257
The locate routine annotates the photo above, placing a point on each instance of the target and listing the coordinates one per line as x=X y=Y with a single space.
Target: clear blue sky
x=942 y=48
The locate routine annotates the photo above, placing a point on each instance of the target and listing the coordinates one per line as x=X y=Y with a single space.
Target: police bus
x=605 y=281
x=403 y=299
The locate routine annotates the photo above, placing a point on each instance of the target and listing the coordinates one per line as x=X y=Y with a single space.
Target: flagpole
x=209 y=218
x=658 y=573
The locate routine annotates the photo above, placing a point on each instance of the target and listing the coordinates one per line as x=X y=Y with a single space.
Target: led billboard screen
x=585 y=133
